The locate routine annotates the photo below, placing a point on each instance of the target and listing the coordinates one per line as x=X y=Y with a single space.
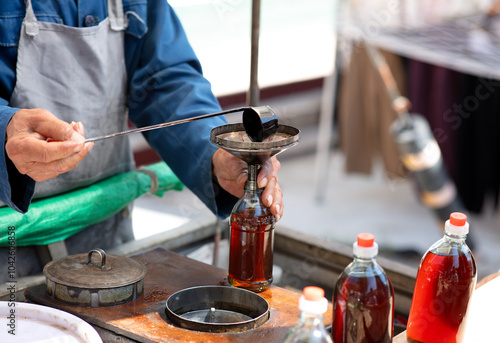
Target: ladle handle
x=158 y=126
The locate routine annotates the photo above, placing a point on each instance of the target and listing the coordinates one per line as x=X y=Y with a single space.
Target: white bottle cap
x=457 y=225
x=313 y=300
x=365 y=246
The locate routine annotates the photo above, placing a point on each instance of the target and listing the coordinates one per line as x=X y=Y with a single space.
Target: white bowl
x=24 y=322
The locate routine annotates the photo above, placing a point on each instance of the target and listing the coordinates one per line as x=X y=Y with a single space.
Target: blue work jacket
x=164 y=83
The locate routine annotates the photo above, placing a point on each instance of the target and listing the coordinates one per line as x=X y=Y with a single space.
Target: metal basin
x=217 y=309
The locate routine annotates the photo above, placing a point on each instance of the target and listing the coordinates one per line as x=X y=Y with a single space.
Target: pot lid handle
x=100 y=252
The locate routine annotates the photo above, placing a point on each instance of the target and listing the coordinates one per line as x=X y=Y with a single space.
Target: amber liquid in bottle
x=362 y=309
x=251 y=240
x=445 y=285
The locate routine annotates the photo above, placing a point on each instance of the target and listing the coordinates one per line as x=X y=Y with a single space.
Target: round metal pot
x=217 y=309
x=78 y=280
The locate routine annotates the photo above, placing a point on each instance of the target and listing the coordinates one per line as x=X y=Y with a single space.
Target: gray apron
x=78 y=74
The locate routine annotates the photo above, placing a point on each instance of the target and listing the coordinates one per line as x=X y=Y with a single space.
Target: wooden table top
x=144 y=320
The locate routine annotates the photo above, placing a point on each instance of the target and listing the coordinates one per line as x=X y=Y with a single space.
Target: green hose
x=56 y=218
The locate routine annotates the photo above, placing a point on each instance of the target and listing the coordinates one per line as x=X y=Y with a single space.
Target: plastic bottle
x=252 y=239
x=363 y=299
x=310 y=327
x=446 y=279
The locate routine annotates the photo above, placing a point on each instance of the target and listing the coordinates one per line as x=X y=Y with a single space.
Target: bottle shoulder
x=453 y=248
x=450 y=247
x=308 y=330
x=251 y=199
x=449 y=259
x=362 y=277
x=364 y=267
x=250 y=206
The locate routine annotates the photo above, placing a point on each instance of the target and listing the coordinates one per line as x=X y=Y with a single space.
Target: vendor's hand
x=232 y=173
x=27 y=146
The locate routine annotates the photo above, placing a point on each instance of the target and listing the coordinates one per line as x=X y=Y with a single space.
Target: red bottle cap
x=313 y=293
x=313 y=300
x=458 y=219
x=365 y=240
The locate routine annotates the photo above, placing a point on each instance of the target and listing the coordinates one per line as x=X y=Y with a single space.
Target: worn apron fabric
x=78 y=74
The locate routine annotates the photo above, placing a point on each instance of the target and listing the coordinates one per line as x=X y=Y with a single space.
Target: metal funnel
x=234 y=139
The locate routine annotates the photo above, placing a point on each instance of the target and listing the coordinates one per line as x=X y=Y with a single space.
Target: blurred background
x=346 y=176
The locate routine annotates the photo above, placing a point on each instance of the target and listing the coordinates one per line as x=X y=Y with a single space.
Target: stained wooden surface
x=144 y=320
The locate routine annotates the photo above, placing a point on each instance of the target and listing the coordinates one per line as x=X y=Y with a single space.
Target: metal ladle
x=259 y=122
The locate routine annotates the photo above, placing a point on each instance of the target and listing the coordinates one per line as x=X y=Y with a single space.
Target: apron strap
x=117 y=19
x=30 y=20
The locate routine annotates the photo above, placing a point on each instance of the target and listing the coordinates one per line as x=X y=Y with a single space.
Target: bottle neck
x=364 y=259
x=365 y=253
x=449 y=237
x=251 y=184
x=311 y=319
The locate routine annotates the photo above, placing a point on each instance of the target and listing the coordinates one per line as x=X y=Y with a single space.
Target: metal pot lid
x=103 y=271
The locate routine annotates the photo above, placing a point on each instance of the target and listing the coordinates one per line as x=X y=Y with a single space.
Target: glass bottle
x=363 y=298
x=445 y=281
x=251 y=238
x=310 y=327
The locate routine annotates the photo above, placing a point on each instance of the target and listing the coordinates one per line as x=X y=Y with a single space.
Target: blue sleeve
x=166 y=84
x=16 y=189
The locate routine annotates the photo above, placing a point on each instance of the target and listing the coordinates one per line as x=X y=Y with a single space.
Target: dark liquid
x=442 y=292
x=363 y=310
x=251 y=252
